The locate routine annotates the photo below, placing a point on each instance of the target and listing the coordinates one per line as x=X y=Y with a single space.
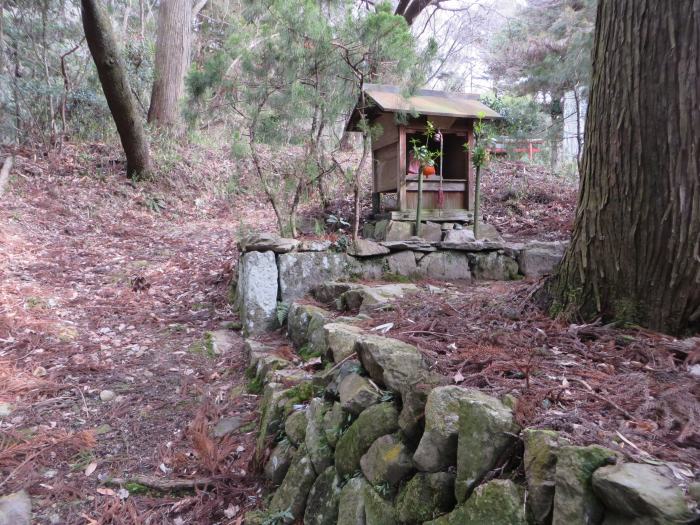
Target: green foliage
x=278 y=518
x=545 y=50
x=522 y=116
x=298 y=69
x=282 y=312
x=421 y=152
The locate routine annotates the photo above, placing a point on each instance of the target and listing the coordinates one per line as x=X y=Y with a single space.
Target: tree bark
x=635 y=250
x=410 y=9
x=115 y=84
x=172 y=61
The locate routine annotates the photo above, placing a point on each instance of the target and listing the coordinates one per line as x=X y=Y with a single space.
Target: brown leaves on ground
x=101 y=290
x=596 y=384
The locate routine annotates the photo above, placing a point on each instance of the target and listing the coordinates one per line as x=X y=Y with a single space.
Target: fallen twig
x=162 y=484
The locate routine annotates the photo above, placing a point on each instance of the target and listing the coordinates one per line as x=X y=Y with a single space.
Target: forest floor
x=109 y=289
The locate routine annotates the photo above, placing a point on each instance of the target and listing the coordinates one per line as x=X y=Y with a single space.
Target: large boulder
x=574 y=500
x=431 y=231
x=390 y=362
x=341 y=339
x=493 y=266
x=437 y=449
x=487 y=431
x=317 y=445
x=292 y=493
x=257 y=292
x=16 y=509
x=498 y=502
x=278 y=463
x=540 y=258
x=387 y=462
x=322 y=503
x=371 y=424
x=459 y=236
x=357 y=393
x=330 y=291
x=366 y=248
x=446 y=266
x=540 y=461
x=369 y=298
x=334 y=422
x=295 y=427
x=300 y=272
x=402 y=263
x=413 y=400
x=637 y=490
x=488 y=232
x=378 y=511
x=303 y=320
x=386 y=230
x=254 y=351
x=425 y=496
x=351 y=505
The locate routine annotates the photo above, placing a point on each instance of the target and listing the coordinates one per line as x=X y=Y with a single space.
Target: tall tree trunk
x=115 y=84
x=172 y=61
x=635 y=250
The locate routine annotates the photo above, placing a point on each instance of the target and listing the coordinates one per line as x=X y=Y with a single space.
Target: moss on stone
x=425 y=497
x=371 y=424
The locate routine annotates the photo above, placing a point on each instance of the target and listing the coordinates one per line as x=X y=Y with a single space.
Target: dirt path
x=106 y=368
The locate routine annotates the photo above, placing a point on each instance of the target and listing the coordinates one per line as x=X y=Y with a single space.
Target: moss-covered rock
x=271 y=416
x=300 y=318
x=279 y=461
x=254 y=351
x=387 y=462
x=498 y=502
x=390 y=362
x=639 y=490
x=357 y=393
x=493 y=266
x=340 y=339
x=351 y=504
x=334 y=422
x=322 y=503
x=437 y=449
x=487 y=431
x=276 y=405
x=295 y=427
x=373 y=423
x=540 y=461
x=317 y=445
x=574 y=500
x=378 y=511
x=414 y=399
x=425 y=496
x=292 y=493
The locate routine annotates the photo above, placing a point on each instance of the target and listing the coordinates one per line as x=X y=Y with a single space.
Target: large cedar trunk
x=172 y=61
x=635 y=250
x=115 y=84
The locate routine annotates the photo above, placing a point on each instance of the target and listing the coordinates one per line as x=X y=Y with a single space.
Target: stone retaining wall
x=376 y=438
x=274 y=270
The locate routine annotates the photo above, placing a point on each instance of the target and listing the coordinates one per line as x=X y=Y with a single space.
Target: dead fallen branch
x=163 y=484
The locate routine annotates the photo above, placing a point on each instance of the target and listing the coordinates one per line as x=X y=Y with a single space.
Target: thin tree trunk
x=115 y=84
x=635 y=250
x=172 y=61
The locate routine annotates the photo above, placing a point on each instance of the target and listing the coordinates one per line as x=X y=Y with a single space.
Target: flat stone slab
x=474 y=246
x=262 y=242
x=414 y=243
x=366 y=248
